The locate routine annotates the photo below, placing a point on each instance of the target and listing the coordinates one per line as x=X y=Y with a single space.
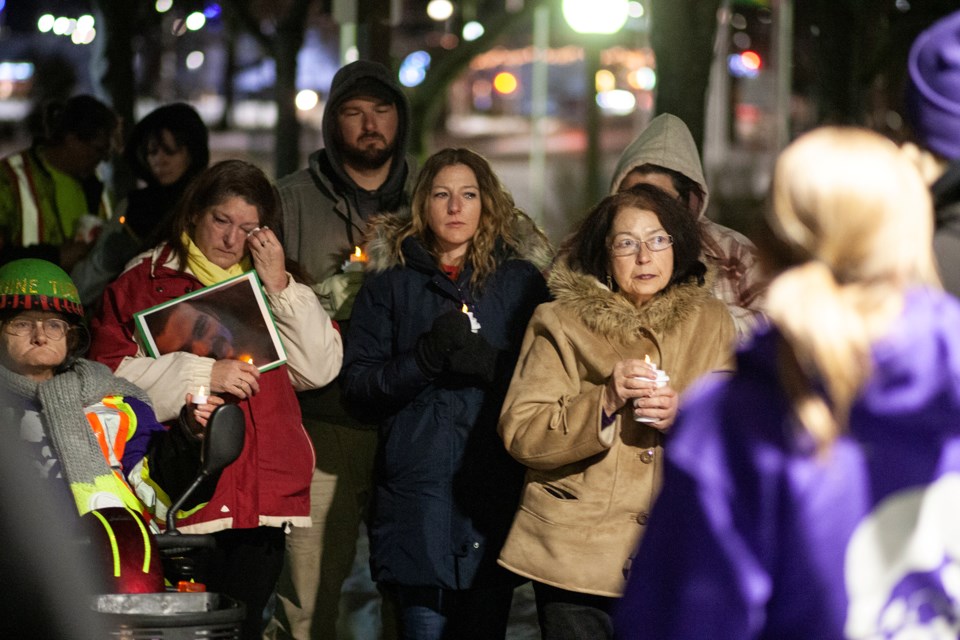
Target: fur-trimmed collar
x=383 y=229
x=612 y=315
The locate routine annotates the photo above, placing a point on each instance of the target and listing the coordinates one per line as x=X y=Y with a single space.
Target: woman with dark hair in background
x=222 y=228
x=167 y=149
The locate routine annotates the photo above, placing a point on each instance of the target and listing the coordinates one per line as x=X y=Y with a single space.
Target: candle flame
x=123 y=219
x=357 y=252
x=646 y=359
x=464 y=309
x=247 y=358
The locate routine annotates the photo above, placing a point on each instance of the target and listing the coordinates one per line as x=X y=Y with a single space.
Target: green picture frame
x=230 y=319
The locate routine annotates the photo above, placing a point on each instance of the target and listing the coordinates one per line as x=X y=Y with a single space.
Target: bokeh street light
x=594 y=19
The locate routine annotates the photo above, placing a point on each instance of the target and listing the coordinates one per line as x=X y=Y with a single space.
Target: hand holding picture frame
x=230 y=319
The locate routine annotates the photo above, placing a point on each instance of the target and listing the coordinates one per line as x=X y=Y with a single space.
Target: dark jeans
x=245 y=566
x=568 y=615
x=428 y=613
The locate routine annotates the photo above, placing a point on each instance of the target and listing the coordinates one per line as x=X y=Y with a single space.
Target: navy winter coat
x=446 y=489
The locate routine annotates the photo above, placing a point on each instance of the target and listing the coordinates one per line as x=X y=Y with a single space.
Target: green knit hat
x=38 y=285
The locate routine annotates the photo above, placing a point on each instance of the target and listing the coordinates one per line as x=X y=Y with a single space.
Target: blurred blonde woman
x=809 y=496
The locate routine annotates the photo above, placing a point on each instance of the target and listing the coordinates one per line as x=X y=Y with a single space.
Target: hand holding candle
x=199 y=408
x=661 y=380
x=474 y=323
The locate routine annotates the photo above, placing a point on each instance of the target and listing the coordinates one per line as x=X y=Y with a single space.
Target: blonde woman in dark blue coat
x=434 y=336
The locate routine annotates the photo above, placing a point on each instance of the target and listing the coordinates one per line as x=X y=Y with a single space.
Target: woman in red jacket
x=221 y=229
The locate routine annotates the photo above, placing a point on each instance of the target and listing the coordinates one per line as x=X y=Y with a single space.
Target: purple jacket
x=757 y=536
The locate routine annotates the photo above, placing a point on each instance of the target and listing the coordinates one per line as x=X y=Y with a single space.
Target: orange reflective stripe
x=101 y=436
x=120 y=441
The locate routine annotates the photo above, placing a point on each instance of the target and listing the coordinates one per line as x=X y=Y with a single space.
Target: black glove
x=478 y=359
x=450 y=332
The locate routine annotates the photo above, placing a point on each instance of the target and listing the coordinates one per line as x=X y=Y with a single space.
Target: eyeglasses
x=53 y=328
x=631 y=246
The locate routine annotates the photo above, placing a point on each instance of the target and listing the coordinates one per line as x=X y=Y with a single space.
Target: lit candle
x=474 y=323
x=355 y=264
x=662 y=379
x=246 y=358
x=200 y=397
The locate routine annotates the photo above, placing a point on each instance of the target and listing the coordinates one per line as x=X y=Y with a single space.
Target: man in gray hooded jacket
x=362 y=170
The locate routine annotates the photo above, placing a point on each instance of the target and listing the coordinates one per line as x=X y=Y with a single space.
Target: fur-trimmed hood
x=382 y=232
x=612 y=315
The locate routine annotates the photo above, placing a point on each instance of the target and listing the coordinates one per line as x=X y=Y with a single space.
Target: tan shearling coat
x=589 y=489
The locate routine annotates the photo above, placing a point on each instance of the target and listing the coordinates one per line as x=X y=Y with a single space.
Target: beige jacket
x=667 y=142
x=589 y=489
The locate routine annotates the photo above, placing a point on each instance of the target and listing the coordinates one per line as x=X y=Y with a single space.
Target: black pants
x=568 y=615
x=246 y=565
x=431 y=613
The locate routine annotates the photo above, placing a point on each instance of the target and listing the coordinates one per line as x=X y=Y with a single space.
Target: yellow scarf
x=207 y=272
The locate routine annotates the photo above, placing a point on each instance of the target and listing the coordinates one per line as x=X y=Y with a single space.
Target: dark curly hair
x=588 y=249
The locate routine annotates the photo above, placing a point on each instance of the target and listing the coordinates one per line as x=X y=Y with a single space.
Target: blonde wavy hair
x=852 y=225
x=499 y=216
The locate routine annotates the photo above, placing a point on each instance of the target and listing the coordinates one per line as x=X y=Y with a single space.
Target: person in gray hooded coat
x=665 y=155
x=363 y=169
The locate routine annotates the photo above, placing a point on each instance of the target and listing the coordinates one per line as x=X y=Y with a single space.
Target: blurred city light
x=617 y=102
x=595 y=16
x=83 y=37
x=744 y=65
x=440 y=10
x=212 y=11
x=195 y=21
x=604 y=80
x=16 y=71
x=413 y=69
x=85 y=22
x=194 y=60
x=643 y=78
x=505 y=83
x=635 y=9
x=306 y=99
x=45 y=23
x=60 y=26
x=163 y=6
x=472 y=30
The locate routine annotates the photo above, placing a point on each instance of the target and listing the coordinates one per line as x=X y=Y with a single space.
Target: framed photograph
x=226 y=320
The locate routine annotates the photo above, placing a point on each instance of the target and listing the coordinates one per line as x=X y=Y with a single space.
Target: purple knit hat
x=933 y=89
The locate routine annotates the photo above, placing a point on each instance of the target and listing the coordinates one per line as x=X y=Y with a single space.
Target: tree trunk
x=112 y=71
x=682 y=35
x=286 y=47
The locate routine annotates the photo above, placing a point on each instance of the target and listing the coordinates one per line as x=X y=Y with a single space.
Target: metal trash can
x=170 y=616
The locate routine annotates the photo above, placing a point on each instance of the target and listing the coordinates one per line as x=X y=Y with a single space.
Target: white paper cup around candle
x=474 y=323
x=200 y=397
x=662 y=379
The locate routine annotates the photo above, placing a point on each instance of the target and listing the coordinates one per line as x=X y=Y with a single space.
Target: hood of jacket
x=357 y=78
x=611 y=315
x=383 y=231
x=665 y=142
